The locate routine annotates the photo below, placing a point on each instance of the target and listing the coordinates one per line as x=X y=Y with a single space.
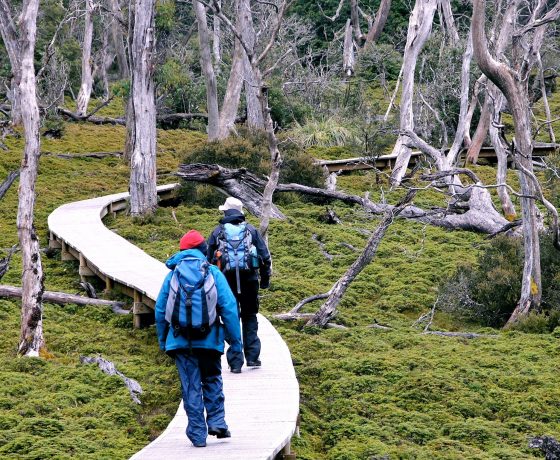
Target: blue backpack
x=236 y=251
x=191 y=305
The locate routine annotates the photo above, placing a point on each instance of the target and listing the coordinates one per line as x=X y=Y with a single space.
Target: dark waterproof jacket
x=226 y=309
x=232 y=216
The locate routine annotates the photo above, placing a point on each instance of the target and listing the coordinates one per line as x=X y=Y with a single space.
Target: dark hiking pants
x=201 y=384
x=248 y=301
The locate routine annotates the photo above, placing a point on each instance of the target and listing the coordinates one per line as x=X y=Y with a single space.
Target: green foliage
x=488 y=291
x=250 y=151
x=165 y=15
x=379 y=59
x=53 y=126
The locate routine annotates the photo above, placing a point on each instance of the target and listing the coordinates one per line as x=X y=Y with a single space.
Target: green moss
x=365 y=393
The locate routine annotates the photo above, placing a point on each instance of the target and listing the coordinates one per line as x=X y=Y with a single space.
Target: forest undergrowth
x=365 y=392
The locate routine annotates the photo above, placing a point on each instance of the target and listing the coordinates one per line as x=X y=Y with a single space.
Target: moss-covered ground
x=365 y=392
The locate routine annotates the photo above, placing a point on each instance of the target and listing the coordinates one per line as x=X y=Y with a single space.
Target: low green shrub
x=487 y=292
x=249 y=150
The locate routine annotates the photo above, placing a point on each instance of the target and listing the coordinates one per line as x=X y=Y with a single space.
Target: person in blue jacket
x=199 y=361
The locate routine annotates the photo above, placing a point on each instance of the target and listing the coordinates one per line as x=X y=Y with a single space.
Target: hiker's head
x=232 y=203
x=193 y=240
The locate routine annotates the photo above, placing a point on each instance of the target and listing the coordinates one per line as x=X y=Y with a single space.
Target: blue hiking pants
x=201 y=383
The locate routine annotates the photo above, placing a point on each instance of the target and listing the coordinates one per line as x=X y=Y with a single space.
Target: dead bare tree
x=84 y=94
x=143 y=194
x=257 y=61
x=21 y=42
x=329 y=308
x=512 y=81
x=117 y=33
x=419 y=28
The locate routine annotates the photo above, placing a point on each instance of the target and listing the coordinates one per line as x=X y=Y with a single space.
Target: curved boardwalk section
x=262 y=404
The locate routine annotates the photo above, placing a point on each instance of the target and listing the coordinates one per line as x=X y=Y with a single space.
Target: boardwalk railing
x=262 y=404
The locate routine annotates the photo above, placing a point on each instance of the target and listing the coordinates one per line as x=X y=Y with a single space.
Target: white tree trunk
x=450 y=27
x=143 y=194
x=84 y=94
x=419 y=28
x=228 y=114
x=208 y=71
x=216 y=40
x=501 y=153
x=255 y=118
x=118 y=39
x=10 y=39
x=514 y=87
x=31 y=338
x=505 y=28
x=380 y=20
x=348 y=56
x=275 y=160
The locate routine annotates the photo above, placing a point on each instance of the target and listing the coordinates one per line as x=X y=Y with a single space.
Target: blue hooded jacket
x=226 y=309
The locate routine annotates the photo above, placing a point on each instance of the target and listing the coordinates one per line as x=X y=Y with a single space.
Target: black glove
x=265 y=282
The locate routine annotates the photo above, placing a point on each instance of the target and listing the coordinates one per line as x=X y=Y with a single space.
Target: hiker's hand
x=265 y=283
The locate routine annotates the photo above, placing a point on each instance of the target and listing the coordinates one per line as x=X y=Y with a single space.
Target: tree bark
x=255 y=120
x=10 y=38
x=514 y=87
x=87 y=79
x=143 y=194
x=329 y=309
x=505 y=30
x=447 y=19
x=31 y=337
x=481 y=131
x=118 y=39
x=228 y=114
x=380 y=20
x=216 y=40
x=419 y=28
x=348 y=56
x=238 y=183
x=508 y=208
x=208 y=71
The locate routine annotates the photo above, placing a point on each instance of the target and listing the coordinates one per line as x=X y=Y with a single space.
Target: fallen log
x=5 y=186
x=90 y=118
x=109 y=368
x=464 y=335
x=63 y=298
x=71 y=156
x=477 y=214
x=5 y=262
x=238 y=183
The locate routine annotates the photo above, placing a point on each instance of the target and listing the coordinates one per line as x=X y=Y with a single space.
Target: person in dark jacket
x=248 y=290
x=199 y=362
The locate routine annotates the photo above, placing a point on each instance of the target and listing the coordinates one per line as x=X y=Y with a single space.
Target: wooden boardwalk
x=486 y=156
x=262 y=404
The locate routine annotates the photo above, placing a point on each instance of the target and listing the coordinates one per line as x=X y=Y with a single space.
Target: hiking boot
x=236 y=370
x=256 y=363
x=220 y=433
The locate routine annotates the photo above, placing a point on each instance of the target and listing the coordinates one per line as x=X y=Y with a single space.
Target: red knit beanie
x=190 y=240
